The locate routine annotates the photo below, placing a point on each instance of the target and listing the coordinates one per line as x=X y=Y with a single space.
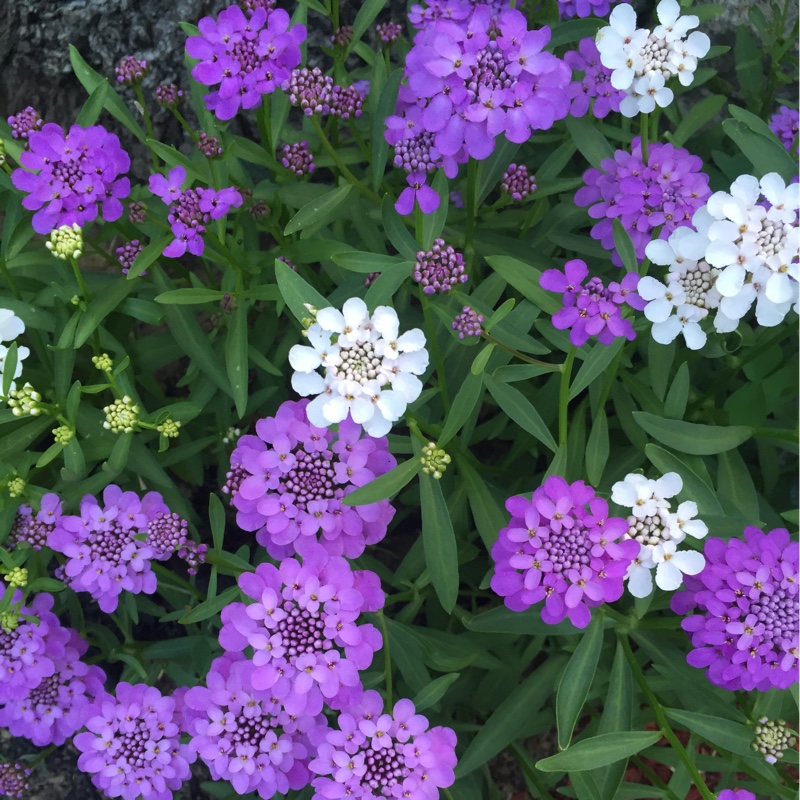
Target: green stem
x=563 y=397
x=654 y=779
x=434 y=348
x=661 y=718
x=448 y=794
x=645 y=143
x=472 y=211
x=78 y=277
x=522 y=356
x=41 y=757
x=184 y=124
x=148 y=123
x=387 y=660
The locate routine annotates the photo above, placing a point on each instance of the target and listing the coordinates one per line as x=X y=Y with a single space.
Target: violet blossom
x=297 y=158
x=439 y=269
x=468 y=323
x=561 y=547
x=127 y=253
x=517 y=182
x=131 y=71
x=168 y=95
x=784 y=124
x=13 y=780
x=456 y=10
x=34 y=528
x=585 y=8
x=25 y=121
x=303 y=629
x=315 y=93
x=595 y=83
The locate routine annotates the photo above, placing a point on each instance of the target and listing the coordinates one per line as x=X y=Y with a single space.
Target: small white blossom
x=672 y=564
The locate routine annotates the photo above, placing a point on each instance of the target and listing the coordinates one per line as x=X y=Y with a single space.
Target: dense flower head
x=190 y=210
x=244 y=734
x=561 y=547
x=245 y=57
x=126 y=254
x=517 y=182
x=34 y=527
x=785 y=124
x=288 y=482
x=72 y=177
x=131 y=746
x=584 y=8
x=772 y=738
x=439 y=269
x=251 y=6
x=315 y=93
x=25 y=121
x=307 y=645
x=168 y=95
x=137 y=212
x=744 y=626
x=53 y=710
x=131 y=70
x=297 y=158
x=664 y=194
x=595 y=83
x=642 y=61
x=389 y=32
x=13 y=779
x=209 y=145
x=342 y=35
x=592 y=309
x=373 y=755
x=370 y=368
x=468 y=323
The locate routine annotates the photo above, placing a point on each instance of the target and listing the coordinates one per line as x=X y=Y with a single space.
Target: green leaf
x=46 y=585
x=659 y=364
x=439 y=542
x=699 y=114
x=594 y=365
x=433 y=224
x=365 y=17
x=236 y=357
x=296 y=291
x=190 y=297
x=503 y=620
x=623 y=244
x=51 y=453
x=90 y=112
x=481 y=360
x=692 y=437
x=724 y=733
x=396 y=231
x=761 y=146
x=23 y=436
x=318 y=211
x=356 y=261
x=678 y=395
x=382 y=289
x=573 y=688
x=593 y=145
x=694 y=487
x=488 y=515
x=597 y=751
x=491 y=170
x=525 y=279
x=216 y=518
x=228 y=563
x=100 y=306
x=9 y=365
x=511 y=715
x=735 y=483
x=520 y=409
x=463 y=405
x=173 y=158
x=500 y=314
x=147 y=256
x=118 y=458
x=210 y=607
x=385 y=485
x=434 y=691
x=597 y=448
x=573 y=30
x=380 y=147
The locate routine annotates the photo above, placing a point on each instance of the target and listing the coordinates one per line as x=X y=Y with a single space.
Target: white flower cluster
x=744 y=249
x=642 y=61
x=659 y=532
x=370 y=371
x=11 y=326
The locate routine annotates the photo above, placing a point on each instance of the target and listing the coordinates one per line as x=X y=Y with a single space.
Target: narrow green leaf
x=724 y=733
x=491 y=170
x=503 y=620
x=190 y=297
x=594 y=366
x=573 y=688
x=433 y=224
x=100 y=306
x=52 y=452
x=118 y=458
x=210 y=607
x=694 y=487
x=678 y=395
x=597 y=448
x=385 y=485
x=659 y=364
x=9 y=365
x=699 y=114
x=435 y=691
x=382 y=289
x=236 y=357
x=735 y=483
x=692 y=437
x=356 y=261
x=380 y=147
x=623 y=244
x=488 y=515
x=365 y=17
x=525 y=279
x=150 y=253
x=296 y=291
x=481 y=360
x=593 y=145
x=520 y=409
x=765 y=153
x=396 y=231
x=228 y=563
x=173 y=158
x=318 y=211
x=439 y=542
x=23 y=436
x=90 y=112
x=463 y=405
x=216 y=518
x=597 y=751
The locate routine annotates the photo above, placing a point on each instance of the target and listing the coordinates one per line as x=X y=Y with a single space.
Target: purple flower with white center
x=168 y=95
x=137 y=213
x=561 y=547
x=595 y=84
x=297 y=158
x=246 y=58
x=126 y=255
x=25 y=121
x=307 y=646
x=468 y=323
x=665 y=193
x=517 y=182
x=744 y=628
x=593 y=309
x=73 y=177
x=785 y=124
x=585 y=8
x=132 y=747
x=373 y=755
x=439 y=269
x=292 y=477
x=28 y=651
x=389 y=32
x=209 y=145
x=34 y=528
x=13 y=780
x=52 y=711
x=131 y=71
x=244 y=734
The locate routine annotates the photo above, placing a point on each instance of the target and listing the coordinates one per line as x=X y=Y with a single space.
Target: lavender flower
x=457 y=10
x=745 y=627
x=25 y=121
x=251 y=6
x=35 y=528
x=52 y=711
x=592 y=310
x=13 y=779
x=517 y=182
x=191 y=210
x=71 y=178
x=126 y=254
x=209 y=145
x=245 y=57
x=131 y=71
x=168 y=95
x=137 y=213
x=439 y=269
x=132 y=748
x=585 y=8
x=735 y=794
x=561 y=547
x=298 y=159
x=664 y=193
x=468 y=323
x=372 y=755
x=784 y=124
x=244 y=734
x=389 y=32
x=296 y=476
x=595 y=84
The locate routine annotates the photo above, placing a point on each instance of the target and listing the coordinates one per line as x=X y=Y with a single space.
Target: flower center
x=647 y=531
x=385 y=768
x=359 y=363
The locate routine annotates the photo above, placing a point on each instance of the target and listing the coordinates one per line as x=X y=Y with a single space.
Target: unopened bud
x=17 y=578
x=169 y=428
x=66 y=241
x=434 y=460
x=103 y=362
x=122 y=416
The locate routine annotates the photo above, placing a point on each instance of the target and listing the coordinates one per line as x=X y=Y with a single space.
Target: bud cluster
x=66 y=241
x=434 y=460
x=122 y=416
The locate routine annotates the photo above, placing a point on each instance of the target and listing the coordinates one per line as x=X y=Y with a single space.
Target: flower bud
x=63 y=434
x=103 y=362
x=122 y=416
x=17 y=578
x=66 y=241
x=169 y=428
x=434 y=460
x=773 y=737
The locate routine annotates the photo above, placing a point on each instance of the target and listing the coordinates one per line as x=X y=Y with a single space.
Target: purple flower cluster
x=132 y=747
x=785 y=124
x=561 y=547
x=296 y=476
x=53 y=710
x=209 y=145
x=126 y=254
x=13 y=780
x=130 y=71
x=664 y=193
x=168 y=95
x=251 y=6
x=34 y=528
x=306 y=643
x=595 y=84
x=389 y=32
x=244 y=734
x=25 y=121
x=593 y=309
x=744 y=627
x=315 y=93
x=472 y=79
x=137 y=213
x=517 y=182
x=468 y=323
x=372 y=755
x=297 y=158
x=245 y=57
x=456 y=10
x=585 y=8
x=70 y=178
x=342 y=35
x=439 y=269
x=190 y=210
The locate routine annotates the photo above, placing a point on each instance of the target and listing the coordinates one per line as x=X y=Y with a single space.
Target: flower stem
x=661 y=718
x=79 y=278
x=645 y=143
x=434 y=346
x=387 y=659
x=148 y=123
x=522 y=356
x=563 y=397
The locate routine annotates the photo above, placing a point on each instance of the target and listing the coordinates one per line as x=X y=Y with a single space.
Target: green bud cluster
x=169 y=428
x=103 y=362
x=63 y=434
x=25 y=401
x=66 y=241
x=773 y=737
x=122 y=416
x=434 y=460
x=16 y=486
x=17 y=578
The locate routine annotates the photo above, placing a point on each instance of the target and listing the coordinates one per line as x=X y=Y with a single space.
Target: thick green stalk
x=563 y=397
x=79 y=278
x=644 y=134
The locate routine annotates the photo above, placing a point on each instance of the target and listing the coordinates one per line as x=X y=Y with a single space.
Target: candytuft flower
x=34 y=528
x=13 y=780
x=517 y=182
x=595 y=83
x=772 y=738
x=467 y=323
x=439 y=269
x=785 y=124
x=25 y=121
x=297 y=158
x=131 y=71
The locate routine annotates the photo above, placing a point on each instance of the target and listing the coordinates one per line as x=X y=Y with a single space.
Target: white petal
x=697 y=44
x=304 y=359
x=658 y=310
x=666 y=332
x=687 y=509
x=307 y=383
x=408 y=386
x=11 y=325
x=411 y=341
x=391 y=405
x=738 y=305
x=668 y=576
x=377 y=426
x=746 y=188
x=362 y=409
x=720 y=253
x=648 y=287
x=640 y=581
x=668 y=12
x=780 y=288
x=331 y=319
x=320 y=339
x=689 y=562
x=623 y=19
x=773 y=187
x=730 y=280
x=629 y=107
x=336 y=409
x=315 y=411
x=669 y=484
x=415 y=363
x=660 y=252
x=694 y=335
x=695 y=528
x=623 y=494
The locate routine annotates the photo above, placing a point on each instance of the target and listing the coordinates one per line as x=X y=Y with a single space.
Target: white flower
x=672 y=565
x=370 y=372
x=687 y=322
x=662 y=299
x=645 y=496
x=682 y=523
x=768 y=313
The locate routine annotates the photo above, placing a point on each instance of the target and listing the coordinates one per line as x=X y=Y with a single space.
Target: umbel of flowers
x=292 y=478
